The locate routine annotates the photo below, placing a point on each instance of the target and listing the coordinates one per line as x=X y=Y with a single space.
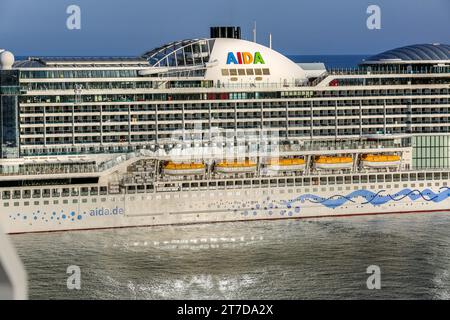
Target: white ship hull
x=207 y=206
x=80 y=129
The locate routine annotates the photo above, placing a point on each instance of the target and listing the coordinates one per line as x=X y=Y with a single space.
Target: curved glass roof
x=418 y=52
x=185 y=53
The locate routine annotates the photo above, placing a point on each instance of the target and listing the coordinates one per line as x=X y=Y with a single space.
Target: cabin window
x=36 y=193
x=16 y=194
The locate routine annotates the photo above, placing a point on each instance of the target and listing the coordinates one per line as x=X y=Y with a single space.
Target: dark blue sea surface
x=291 y=259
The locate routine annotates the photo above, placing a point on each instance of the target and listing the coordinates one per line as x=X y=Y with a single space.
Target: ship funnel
x=226 y=32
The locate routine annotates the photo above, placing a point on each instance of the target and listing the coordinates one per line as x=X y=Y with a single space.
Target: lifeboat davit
x=333 y=163
x=236 y=167
x=380 y=160
x=291 y=164
x=184 y=169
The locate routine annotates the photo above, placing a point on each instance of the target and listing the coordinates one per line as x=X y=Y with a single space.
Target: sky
x=304 y=27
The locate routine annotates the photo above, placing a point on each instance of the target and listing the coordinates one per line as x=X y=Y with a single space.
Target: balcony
x=10 y=90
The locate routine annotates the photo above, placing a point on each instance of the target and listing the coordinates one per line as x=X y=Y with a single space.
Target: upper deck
x=118 y=105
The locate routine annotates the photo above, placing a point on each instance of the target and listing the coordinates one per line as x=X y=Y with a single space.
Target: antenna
x=270 y=40
x=254 y=32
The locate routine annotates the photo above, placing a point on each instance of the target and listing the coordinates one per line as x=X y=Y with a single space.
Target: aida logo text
x=245 y=58
x=107 y=212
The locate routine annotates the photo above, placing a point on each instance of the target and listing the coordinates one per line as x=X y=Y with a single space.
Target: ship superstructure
x=220 y=129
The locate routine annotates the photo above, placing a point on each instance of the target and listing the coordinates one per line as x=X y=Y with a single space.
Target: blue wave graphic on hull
x=375 y=199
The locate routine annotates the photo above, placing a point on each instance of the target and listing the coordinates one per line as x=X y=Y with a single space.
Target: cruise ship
x=220 y=129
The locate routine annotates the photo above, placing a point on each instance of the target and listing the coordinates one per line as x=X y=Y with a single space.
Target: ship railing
x=43 y=169
x=310 y=179
x=266 y=85
x=125 y=157
x=358 y=71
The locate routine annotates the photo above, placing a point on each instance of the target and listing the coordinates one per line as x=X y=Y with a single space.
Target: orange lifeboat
x=288 y=164
x=380 y=161
x=333 y=163
x=184 y=169
x=236 y=167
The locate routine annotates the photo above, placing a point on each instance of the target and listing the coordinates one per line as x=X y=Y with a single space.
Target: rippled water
x=291 y=259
